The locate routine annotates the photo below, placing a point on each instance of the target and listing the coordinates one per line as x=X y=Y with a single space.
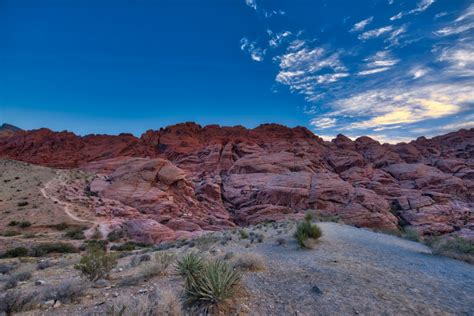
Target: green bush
x=96 y=263
x=44 y=249
x=213 y=284
x=457 y=248
x=75 y=233
x=243 y=234
x=12 y=223
x=189 y=266
x=60 y=226
x=16 y=252
x=115 y=235
x=21 y=204
x=24 y=224
x=10 y=233
x=306 y=232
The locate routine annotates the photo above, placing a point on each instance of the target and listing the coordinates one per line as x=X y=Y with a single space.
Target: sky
x=390 y=69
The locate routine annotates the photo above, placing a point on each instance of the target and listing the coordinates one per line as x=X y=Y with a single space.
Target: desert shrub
x=411 y=234
x=29 y=235
x=96 y=263
x=24 y=224
x=250 y=262
x=281 y=241
x=189 y=266
x=213 y=284
x=16 y=252
x=306 y=232
x=75 y=233
x=12 y=223
x=129 y=246
x=457 y=248
x=60 y=226
x=67 y=291
x=18 y=301
x=10 y=233
x=94 y=243
x=44 y=265
x=23 y=276
x=131 y=280
x=159 y=266
x=47 y=248
x=6 y=268
x=204 y=242
x=243 y=234
x=115 y=235
x=21 y=204
x=158 y=303
x=97 y=234
x=10 y=283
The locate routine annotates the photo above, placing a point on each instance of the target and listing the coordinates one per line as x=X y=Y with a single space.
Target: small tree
x=96 y=263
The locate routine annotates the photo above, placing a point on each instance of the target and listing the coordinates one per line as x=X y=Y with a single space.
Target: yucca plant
x=215 y=283
x=189 y=266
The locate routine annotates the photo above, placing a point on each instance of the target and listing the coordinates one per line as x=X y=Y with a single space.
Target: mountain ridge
x=187 y=178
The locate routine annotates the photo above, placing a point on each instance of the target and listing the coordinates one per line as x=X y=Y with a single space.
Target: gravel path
x=359 y=272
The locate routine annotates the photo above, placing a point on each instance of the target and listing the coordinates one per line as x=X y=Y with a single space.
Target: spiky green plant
x=215 y=283
x=189 y=266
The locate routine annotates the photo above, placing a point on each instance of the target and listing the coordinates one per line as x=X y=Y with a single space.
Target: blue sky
x=390 y=69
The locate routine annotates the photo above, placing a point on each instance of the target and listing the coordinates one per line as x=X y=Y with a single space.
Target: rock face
x=187 y=178
x=7 y=130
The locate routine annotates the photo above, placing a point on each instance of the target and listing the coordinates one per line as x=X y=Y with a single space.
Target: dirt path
x=68 y=208
x=356 y=271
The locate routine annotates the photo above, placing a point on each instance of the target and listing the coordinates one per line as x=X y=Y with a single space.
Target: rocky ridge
x=186 y=178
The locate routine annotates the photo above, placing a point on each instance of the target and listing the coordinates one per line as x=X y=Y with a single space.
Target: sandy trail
x=360 y=272
x=68 y=208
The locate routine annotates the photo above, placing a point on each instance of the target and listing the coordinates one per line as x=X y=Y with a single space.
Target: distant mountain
x=7 y=130
x=187 y=178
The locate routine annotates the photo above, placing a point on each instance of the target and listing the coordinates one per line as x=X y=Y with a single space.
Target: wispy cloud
x=256 y=53
x=276 y=39
x=251 y=3
x=303 y=69
x=418 y=72
x=395 y=106
x=323 y=123
x=423 y=5
x=360 y=26
x=379 y=62
x=376 y=32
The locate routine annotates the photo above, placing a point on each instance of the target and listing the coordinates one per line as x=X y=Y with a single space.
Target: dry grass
x=157 y=303
x=250 y=262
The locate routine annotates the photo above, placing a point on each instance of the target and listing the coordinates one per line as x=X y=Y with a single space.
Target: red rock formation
x=187 y=178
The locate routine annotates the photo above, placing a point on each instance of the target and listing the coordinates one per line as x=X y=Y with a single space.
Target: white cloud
x=422 y=6
x=382 y=59
x=399 y=106
x=469 y=13
x=463 y=23
x=256 y=53
x=277 y=38
x=375 y=33
x=459 y=59
x=362 y=24
x=251 y=3
x=303 y=69
x=372 y=71
x=322 y=123
x=397 y=17
x=379 y=62
x=418 y=72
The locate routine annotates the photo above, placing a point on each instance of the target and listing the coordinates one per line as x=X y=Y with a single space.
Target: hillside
x=186 y=178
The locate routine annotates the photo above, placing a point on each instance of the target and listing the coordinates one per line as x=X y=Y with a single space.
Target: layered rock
x=187 y=178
